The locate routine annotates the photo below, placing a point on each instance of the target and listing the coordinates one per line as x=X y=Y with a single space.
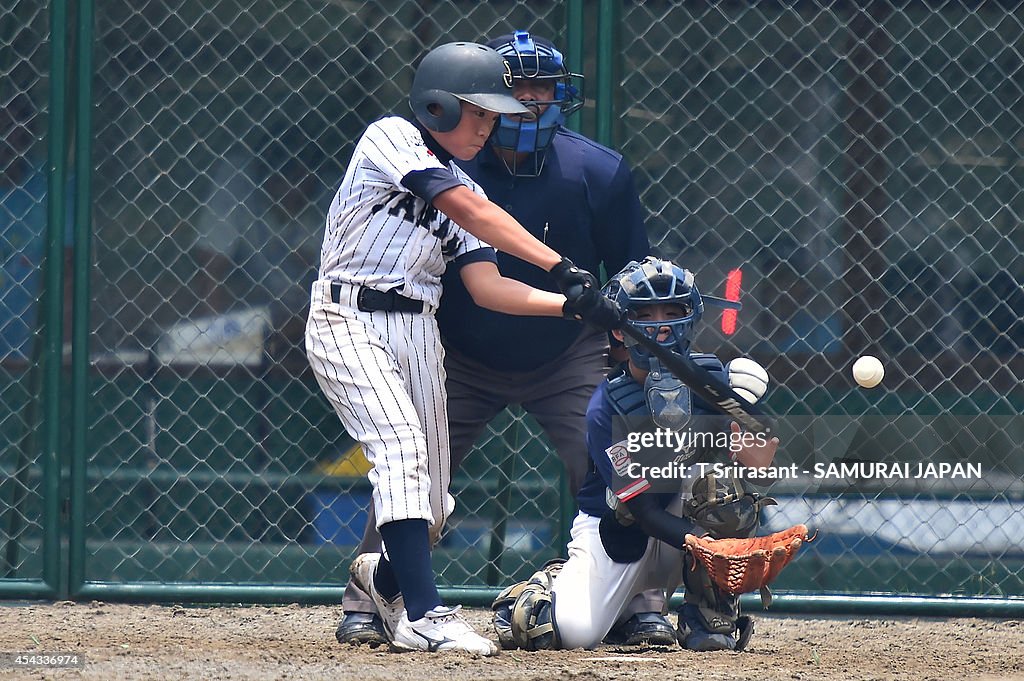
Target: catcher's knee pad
x=710 y=618
x=547 y=573
x=524 y=614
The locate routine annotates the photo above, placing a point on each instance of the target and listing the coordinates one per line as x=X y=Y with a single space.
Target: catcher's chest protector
x=627 y=396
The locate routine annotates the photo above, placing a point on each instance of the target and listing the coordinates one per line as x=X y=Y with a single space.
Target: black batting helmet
x=461 y=71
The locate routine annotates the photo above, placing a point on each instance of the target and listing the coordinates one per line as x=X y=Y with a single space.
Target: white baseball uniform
x=383 y=371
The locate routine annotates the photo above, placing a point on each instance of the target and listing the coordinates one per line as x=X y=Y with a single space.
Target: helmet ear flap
x=437 y=110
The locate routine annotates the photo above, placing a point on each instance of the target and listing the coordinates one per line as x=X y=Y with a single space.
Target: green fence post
x=53 y=295
x=80 y=320
x=575 y=29
x=575 y=21
x=606 y=56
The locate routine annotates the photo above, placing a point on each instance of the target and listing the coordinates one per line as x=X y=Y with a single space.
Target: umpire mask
x=536 y=60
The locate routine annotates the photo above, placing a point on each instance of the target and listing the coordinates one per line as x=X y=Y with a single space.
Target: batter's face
x=470 y=135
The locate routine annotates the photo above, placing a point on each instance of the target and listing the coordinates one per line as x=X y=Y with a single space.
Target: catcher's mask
x=461 y=72
x=654 y=281
x=650 y=282
x=536 y=59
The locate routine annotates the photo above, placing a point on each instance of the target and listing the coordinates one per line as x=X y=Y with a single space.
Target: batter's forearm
x=492 y=224
x=514 y=297
x=501 y=230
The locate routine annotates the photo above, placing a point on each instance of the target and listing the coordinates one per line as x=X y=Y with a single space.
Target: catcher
x=632 y=531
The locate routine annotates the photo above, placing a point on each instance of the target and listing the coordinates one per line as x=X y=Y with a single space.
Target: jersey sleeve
x=394 y=148
x=655 y=521
x=486 y=254
x=469 y=249
x=427 y=184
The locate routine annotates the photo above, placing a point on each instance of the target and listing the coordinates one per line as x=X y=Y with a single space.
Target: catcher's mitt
x=739 y=566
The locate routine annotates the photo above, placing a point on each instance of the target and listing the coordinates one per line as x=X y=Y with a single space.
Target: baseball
x=868 y=371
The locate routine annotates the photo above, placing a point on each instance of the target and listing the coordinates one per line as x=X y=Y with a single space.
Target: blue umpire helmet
x=650 y=282
x=536 y=59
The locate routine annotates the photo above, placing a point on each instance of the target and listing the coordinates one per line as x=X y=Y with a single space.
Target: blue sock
x=384 y=580
x=408 y=545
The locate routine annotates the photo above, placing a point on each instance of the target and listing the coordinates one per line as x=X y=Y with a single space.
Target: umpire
x=579 y=198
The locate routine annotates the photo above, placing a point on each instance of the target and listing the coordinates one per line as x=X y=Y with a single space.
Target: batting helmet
x=535 y=58
x=461 y=71
x=651 y=282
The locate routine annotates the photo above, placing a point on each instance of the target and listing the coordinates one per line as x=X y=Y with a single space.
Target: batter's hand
x=589 y=306
x=569 y=278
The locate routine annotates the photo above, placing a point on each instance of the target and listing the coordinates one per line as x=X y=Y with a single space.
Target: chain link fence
x=24 y=63
x=858 y=169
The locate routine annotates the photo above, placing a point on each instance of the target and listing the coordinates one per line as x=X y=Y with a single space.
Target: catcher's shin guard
x=710 y=618
x=502 y=618
x=524 y=613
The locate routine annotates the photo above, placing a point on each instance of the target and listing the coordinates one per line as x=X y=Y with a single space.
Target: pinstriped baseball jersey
x=381 y=370
x=381 y=235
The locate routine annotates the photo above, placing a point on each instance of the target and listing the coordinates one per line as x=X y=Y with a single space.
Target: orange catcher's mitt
x=739 y=566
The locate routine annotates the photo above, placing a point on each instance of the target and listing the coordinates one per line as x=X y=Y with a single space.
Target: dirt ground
x=291 y=642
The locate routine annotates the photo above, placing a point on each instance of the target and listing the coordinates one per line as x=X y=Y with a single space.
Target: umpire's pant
x=556 y=395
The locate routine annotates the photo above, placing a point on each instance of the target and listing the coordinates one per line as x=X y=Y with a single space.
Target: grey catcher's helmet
x=461 y=71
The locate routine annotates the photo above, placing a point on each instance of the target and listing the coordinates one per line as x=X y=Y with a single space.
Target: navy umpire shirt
x=587 y=200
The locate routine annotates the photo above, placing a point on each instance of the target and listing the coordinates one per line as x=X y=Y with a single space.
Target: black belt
x=371 y=300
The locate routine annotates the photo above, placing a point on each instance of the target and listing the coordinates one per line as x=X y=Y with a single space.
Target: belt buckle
x=363 y=303
x=372 y=300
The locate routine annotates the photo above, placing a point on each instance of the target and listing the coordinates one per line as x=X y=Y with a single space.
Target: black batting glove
x=592 y=308
x=568 y=276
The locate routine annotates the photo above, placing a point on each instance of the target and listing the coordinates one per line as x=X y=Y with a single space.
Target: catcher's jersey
x=382 y=231
x=606 y=454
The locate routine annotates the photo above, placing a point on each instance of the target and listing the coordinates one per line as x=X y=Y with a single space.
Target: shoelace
x=451 y=615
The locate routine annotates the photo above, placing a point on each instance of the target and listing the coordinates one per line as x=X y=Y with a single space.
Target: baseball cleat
x=361 y=628
x=694 y=635
x=438 y=630
x=643 y=628
x=362 y=570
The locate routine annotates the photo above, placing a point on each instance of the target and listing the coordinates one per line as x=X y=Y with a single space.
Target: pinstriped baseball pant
x=383 y=373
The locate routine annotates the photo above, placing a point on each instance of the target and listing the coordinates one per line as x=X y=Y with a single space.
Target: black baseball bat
x=712 y=389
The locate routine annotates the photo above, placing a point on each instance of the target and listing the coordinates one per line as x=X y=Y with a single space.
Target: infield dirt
x=120 y=641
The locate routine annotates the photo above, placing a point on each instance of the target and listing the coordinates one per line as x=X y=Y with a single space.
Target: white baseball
x=868 y=371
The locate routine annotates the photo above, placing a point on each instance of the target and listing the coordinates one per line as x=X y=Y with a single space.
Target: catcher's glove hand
x=739 y=566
